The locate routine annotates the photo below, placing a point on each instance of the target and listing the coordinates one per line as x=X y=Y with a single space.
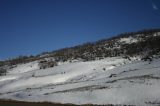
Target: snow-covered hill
x=121 y=70
x=112 y=80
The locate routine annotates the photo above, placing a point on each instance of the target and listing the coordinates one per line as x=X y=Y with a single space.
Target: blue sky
x=33 y=26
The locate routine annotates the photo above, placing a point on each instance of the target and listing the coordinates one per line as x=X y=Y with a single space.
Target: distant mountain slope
x=124 y=44
x=142 y=43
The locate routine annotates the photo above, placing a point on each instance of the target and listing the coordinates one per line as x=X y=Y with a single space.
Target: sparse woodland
x=147 y=46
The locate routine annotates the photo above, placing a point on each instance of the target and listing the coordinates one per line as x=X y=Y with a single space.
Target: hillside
x=123 y=70
x=145 y=42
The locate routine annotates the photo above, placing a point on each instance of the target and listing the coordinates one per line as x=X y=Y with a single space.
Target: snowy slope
x=108 y=81
x=128 y=40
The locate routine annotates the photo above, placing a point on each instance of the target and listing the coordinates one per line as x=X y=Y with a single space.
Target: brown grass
x=23 y=103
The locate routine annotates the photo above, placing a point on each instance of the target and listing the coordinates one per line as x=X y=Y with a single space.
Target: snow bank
x=108 y=81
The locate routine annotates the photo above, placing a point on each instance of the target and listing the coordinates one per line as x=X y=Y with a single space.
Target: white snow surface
x=108 y=81
x=22 y=68
x=128 y=40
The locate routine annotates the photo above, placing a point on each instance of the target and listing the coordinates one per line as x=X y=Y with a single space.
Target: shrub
x=47 y=64
x=3 y=71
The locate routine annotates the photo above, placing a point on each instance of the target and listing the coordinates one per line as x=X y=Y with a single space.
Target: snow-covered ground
x=108 y=81
x=128 y=40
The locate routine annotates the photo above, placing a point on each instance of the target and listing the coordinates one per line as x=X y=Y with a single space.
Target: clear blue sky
x=33 y=26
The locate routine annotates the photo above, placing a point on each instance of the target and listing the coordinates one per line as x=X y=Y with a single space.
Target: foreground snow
x=108 y=81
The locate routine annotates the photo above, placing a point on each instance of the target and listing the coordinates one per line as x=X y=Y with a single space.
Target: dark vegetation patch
x=85 y=88
x=22 y=103
x=140 y=77
x=43 y=63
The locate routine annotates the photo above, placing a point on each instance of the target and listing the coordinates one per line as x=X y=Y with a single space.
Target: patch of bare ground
x=23 y=103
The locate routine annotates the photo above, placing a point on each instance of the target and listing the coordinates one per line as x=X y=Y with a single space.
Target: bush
x=47 y=64
x=3 y=71
x=147 y=58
